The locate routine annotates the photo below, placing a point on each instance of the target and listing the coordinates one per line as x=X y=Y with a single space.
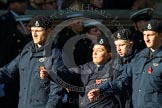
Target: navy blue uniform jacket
x=34 y=92
x=146 y=74
x=93 y=77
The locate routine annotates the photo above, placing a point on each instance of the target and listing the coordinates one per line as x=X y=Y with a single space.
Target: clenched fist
x=43 y=72
x=93 y=94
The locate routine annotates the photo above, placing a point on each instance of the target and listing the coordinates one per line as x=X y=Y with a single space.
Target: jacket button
x=139 y=90
x=18 y=41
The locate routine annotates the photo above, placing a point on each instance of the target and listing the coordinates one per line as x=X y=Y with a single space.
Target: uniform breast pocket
x=40 y=83
x=22 y=66
x=156 y=76
x=156 y=71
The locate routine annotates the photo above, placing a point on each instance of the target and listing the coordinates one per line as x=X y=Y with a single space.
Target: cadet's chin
x=35 y=42
x=95 y=62
x=148 y=46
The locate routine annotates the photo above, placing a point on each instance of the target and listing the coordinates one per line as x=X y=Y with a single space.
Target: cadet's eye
x=100 y=50
x=37 y=30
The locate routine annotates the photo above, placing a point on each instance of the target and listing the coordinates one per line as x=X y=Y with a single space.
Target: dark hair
x=88 y=28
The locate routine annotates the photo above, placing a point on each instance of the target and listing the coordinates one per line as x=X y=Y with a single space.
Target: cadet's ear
x=110 y=54
x=160 y=34
x=49 y=30
x=131 y=43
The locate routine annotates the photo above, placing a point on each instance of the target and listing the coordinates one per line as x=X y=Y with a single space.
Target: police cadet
x=96 y=73
x=124 y=43
x=139 y=18
x=124 y=47
x=145 y=71
x=34 y=91
x=90 y=75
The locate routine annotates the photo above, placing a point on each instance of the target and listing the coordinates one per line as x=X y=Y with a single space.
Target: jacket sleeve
x=119 y=84
x=55 y=96
x=55 y=65
x=9 y=71
x=61 y=72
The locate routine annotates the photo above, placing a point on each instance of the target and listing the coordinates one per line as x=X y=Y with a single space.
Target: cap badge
x=101 y=41
x=118 y=35
x=36 y=23
x=149 y=26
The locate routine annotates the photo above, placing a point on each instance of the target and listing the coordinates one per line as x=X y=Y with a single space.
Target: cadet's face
x=123 y=47
x=152 y=39
x=18 y=7
x=49 y=4
x=140 y=24
x=97 y=3
x=100 y=54
x=77 y=26
x=39 y=35
x=95 y=32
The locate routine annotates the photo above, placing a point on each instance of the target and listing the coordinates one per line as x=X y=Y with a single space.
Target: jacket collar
x=149 y=54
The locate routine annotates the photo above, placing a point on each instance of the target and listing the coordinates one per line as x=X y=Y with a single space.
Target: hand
x=43 y=72
x=93 y=94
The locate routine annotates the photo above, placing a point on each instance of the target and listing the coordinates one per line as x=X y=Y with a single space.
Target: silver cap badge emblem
x=149 y=26
x=101 y=41
x=118 y=35
x=37 y=24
